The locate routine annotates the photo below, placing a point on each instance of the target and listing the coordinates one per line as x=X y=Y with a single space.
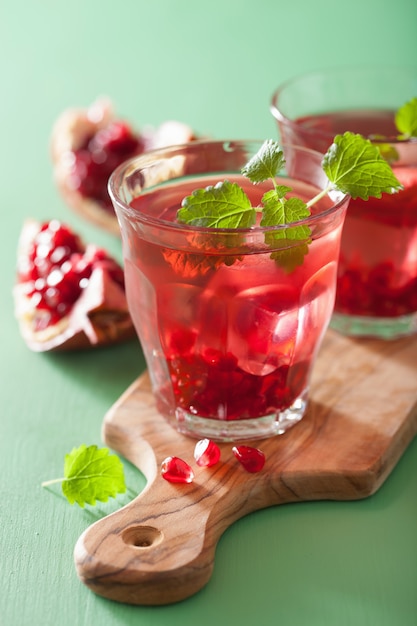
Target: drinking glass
x=377 y=273
x=229 y=334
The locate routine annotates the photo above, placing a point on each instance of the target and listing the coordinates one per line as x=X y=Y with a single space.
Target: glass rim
x=337 y=72
x=117 y=177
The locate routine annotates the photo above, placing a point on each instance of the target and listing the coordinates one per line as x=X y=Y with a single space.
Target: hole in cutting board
x=142 y=536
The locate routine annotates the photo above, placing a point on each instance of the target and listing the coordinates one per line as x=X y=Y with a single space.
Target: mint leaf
x=91 y=474
x=388 y=152
x=406 y=119
x=355 y=166
x=223 y=206
x=189 y=265
x=290 y=258
x=266 y=163
x=279 y=210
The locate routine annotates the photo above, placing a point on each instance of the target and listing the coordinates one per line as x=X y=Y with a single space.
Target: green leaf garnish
x=406 y=119
x=192 y=265
x=355 y=166
x=223 y=206
x=280 y=210
x=388 y=152
x=90 y=474
x=352 y=164
x=266 y=163
x=290 y=258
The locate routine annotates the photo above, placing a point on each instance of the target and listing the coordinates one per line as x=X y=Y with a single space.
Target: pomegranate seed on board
x=252 y=459
x=206 y=453
x=175 y=470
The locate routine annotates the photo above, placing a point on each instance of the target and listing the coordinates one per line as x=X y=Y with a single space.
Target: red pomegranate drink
x=230 y=319
x=377 y=273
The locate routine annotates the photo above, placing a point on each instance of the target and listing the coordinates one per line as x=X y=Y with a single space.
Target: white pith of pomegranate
x=68 y=295
x=88 y=144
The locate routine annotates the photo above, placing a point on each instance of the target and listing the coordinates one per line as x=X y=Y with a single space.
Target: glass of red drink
x=229 y=337
x=377 y=273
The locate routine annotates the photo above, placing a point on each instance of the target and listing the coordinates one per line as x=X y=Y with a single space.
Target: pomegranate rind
x=69 y=133
x=100 y=316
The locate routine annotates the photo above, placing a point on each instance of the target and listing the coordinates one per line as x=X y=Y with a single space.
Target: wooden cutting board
x=160 y=548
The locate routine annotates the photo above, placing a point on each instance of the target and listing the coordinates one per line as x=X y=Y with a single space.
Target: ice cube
x=262 y=328
x=316 y=306
x=177 y=306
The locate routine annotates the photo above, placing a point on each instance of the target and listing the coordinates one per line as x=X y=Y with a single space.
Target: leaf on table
x=92 y=474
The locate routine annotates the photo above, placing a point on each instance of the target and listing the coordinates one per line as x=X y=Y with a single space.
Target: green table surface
x=213 y=65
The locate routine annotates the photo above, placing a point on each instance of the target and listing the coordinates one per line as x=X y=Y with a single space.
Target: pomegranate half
x=88 y=144
x=67 y=295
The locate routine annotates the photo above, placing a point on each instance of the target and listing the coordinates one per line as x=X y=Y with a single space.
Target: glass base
x=379 y=327
x=276 y=423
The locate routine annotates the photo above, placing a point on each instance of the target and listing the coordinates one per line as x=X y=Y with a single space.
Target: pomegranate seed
x=206 y=453
x=58 y=268
x=252 y=459
x=175 y=470
x=99 y=156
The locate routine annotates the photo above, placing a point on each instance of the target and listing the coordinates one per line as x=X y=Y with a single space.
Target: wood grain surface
x=160 y=548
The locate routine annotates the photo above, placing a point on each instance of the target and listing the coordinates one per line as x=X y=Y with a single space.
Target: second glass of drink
x=377 y=275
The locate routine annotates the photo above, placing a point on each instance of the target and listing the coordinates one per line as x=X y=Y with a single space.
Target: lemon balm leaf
x=290 y=258
x=388 y=152
x=224 y=205
x=280 y=191
x=91 y=474
x=279 y=210
x=266 y=163
x=355 y=166
x=406 y=119
x=352 y=164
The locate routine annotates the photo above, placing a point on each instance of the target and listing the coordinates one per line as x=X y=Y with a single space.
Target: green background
x=213 y=65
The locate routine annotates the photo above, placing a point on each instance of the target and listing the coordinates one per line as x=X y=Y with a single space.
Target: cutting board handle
x=160 y=547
